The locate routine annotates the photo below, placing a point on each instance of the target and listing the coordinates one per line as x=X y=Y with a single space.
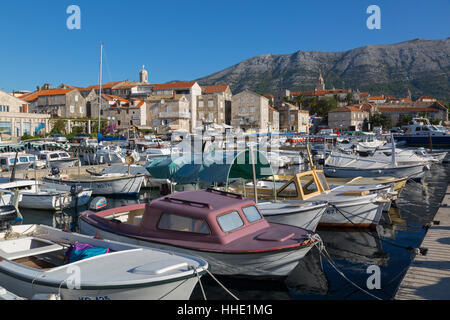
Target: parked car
x=78 y=138
x=59 y=138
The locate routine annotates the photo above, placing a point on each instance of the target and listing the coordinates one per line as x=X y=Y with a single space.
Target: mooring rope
x=318 y=243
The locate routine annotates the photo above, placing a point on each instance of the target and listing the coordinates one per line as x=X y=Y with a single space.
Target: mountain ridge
x=420 y=65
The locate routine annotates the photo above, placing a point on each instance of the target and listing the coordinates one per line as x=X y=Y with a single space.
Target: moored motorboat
x=225 y=229
x=346 y=207
x=113 y=184
x=39 y=260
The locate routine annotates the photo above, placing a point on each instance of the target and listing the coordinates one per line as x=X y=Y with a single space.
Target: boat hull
x=364 y=213
x=172 y=290
x=129 y=186
x=299 y=217
x=414 y=171
x=260 y=264
x=424 y=141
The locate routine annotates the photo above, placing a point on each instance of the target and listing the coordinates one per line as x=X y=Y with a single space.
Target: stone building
x=63 y=103
x=190 y=90
x=16 y=120
x=250 y=112
x=167 y=113
x=293 y=119
x=347 y=118
x=214 y=105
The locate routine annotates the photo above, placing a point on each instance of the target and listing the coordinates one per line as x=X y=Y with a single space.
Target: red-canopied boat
x=225 y=229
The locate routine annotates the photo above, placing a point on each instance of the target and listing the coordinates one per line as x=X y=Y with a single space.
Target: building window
x=72 y=109
x=210 y=103
x=252 y=109
x=81 y=110
x=76 y=98
x=201 y=104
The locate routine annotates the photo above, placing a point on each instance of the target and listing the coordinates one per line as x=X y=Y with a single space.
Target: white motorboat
x=23 y=162
x=52 y=196
x=342 y=165
x=111 y=184
x=56 y=159
x=149 y=181
x=43 y=196
x=347 y=206
x=39 y=260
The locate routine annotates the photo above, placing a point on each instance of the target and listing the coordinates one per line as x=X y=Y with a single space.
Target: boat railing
x=225 y=193
x=188 y=202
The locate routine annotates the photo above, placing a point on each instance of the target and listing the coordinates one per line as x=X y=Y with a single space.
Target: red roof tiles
x=174 y=85
x=214 y=89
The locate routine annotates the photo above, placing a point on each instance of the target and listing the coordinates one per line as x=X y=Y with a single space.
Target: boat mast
x=100 y=93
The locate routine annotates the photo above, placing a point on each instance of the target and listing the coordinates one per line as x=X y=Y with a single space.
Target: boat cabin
x=302 y=186
x=23 y=161
x=205 y=216
x=50 y=156
x=422 y=127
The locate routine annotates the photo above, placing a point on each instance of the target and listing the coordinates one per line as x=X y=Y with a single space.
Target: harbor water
x=354 y=252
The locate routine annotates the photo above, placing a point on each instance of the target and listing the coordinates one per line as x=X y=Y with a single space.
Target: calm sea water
x=352 y=251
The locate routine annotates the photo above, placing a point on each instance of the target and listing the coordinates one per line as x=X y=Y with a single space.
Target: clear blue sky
x=185 y=40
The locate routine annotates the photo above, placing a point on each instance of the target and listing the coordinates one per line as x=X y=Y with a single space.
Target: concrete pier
x=428 y=277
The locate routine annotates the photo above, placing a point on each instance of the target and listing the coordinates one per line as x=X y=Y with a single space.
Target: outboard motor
x=98 y=204
x=75 y=190
x=8 y=217
x=55 y=171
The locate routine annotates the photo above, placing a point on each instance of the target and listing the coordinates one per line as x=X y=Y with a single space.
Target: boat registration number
x=95 y=298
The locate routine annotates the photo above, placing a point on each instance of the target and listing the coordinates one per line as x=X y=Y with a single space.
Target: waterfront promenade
x=428 y=277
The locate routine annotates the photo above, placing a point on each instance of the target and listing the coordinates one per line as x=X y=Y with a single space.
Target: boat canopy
x=214 y=167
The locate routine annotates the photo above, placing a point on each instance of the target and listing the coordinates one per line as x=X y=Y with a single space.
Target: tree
x=404 y=119
x=59 y=127
x=299 y=100
x=380 y=120
x=349 y=98
x=323 y=106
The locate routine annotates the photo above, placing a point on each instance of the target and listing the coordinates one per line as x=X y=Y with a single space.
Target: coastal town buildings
x=16 y=120
x=252 y=112
x=293 y=119
x=348 y=118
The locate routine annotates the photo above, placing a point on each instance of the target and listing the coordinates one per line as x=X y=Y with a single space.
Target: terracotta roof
x=318 y=92
x=174 y=85
x=52 y=92
x=412 y=109
x=214 y=89
x=127 y=85
x=363 y=106
x=426 y=97
x=273 y=109
x=108 y=85
x=364 y=94
x=377 y=98
x=348 y=109
x=110 y=97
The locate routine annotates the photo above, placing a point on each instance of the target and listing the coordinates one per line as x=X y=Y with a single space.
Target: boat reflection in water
x=362 y=246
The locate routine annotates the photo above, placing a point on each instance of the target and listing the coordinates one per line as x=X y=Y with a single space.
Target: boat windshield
x=174 y=222
x=252 y=214
x=231 y=221
x=439 y=128
x=289 y=192
x=308 y=184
